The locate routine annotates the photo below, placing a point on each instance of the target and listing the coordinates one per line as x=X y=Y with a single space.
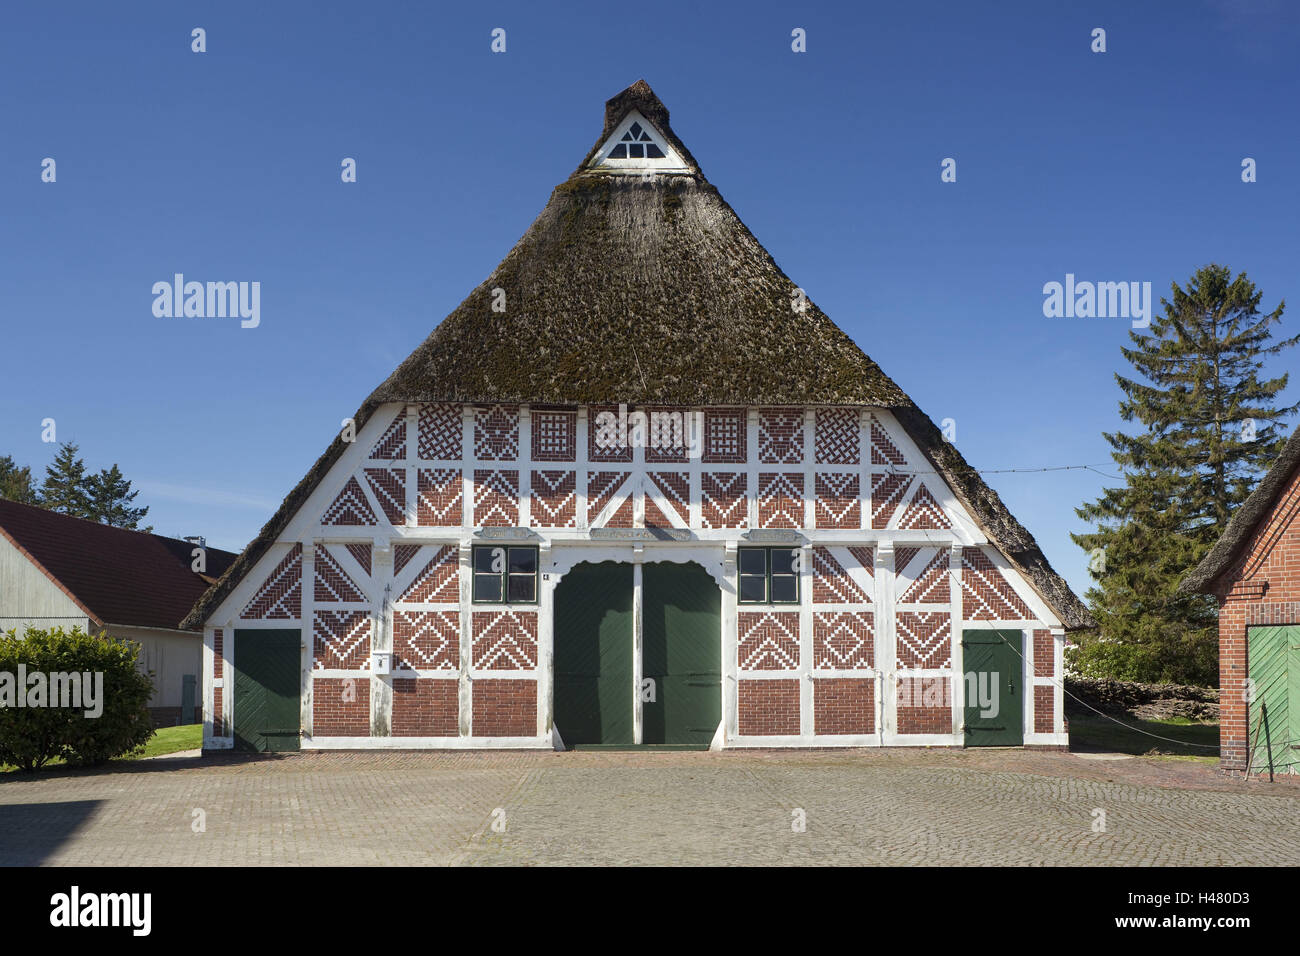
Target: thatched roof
x=650 y=290
x=1204 y=578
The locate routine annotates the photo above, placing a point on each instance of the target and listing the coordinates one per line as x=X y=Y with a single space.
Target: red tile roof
x=116 y=576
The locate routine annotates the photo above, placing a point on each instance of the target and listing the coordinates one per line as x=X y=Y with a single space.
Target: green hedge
x=112 y=718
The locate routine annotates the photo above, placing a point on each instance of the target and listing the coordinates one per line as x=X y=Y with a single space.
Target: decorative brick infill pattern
x=496 y=433
x=780 y=437
x=280 y=596
x=837 y=437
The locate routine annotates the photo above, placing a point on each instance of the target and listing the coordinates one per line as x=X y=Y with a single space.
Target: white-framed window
x=636 y=143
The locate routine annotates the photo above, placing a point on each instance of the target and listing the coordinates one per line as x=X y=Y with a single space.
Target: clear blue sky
x=1119 y=166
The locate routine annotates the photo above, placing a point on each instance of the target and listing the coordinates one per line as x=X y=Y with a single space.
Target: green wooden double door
x=596 y=692
x=1273 y=719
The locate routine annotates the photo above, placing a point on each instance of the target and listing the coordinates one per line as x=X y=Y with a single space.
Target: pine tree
x=64 y=488
x=110 y=497
x=15 y=482
x=1209 y=431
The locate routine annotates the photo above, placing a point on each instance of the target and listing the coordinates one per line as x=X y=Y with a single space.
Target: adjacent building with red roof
x=59 y=571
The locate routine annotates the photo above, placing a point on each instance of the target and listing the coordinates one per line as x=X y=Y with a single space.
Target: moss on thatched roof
x=1223 y=557
x=650 y=290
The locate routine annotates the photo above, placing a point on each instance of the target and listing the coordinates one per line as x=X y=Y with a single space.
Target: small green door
x=593 y=655
x=681 y=654
x=1274 y=717
x=267 y=714
x=992 y=662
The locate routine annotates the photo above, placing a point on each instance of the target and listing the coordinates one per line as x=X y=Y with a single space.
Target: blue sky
x=1122 y=166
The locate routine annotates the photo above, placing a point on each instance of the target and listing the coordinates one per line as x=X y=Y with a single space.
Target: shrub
x=1190 y=656
x=32 y=736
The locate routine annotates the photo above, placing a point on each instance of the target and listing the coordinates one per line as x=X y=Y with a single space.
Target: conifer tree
x=64 y=488
x=15 y=482
x=110 y=498
x=1209 y=428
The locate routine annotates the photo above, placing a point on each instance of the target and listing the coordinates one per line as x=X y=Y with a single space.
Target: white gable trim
x=671 y=162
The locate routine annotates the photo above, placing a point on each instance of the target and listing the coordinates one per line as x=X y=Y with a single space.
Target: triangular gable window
x=636 y=147
x=636 y=143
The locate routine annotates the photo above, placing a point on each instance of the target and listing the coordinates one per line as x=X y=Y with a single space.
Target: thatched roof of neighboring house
x=1252 y=512
x=651 y=291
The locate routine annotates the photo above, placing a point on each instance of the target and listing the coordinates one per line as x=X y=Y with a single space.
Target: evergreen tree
x=64 y=488
x=16 y=483
x=110 y=497
x=1209 y=429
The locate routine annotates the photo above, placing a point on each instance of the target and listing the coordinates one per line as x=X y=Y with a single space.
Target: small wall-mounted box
x=381 y=662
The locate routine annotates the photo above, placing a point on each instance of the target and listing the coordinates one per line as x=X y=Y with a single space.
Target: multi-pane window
x=636 y=143
x=504 y=574
x=768 y=575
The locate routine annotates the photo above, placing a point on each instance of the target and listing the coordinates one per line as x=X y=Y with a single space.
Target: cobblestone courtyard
x=861 y=807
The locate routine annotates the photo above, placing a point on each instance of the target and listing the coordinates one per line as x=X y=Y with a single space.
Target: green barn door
x=995 y=709
x=267 y=666
x=593 y=655
x=1274 y=720
x=682 y=653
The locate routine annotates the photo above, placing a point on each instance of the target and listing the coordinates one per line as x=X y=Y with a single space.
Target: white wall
x=28 y=596
x=170 y=655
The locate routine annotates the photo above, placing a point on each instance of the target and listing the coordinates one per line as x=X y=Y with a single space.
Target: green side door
x=1273 y=654
x=267 y=706
x=681 y=654
x=992 y=663
x=593 y=655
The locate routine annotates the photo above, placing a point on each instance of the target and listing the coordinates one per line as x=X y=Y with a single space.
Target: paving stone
x=897 y=807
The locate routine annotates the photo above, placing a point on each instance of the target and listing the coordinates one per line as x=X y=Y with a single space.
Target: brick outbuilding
x=1254 y=571
x=638 y=489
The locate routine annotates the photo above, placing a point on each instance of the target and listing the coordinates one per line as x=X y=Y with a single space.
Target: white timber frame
x=562 y=548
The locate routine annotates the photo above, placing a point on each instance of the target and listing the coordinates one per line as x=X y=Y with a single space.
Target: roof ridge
x=99 y=524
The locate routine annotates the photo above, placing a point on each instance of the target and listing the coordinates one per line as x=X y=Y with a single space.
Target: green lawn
x=1089 y=731
x=166 y=740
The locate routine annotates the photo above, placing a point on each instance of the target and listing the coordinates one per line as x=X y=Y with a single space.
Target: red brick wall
x=768 y=707
x=1044 y=654
x=505 y=708
x=844 y=705
x=1271 y=557
x=1044 y=699
x=425 y=707
x=332 y=716
x=925 y=705
x=1044 y=696
x=218 y=670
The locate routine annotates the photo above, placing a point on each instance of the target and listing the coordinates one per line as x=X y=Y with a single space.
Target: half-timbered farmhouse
x=637 y=489
x=1254 y=571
